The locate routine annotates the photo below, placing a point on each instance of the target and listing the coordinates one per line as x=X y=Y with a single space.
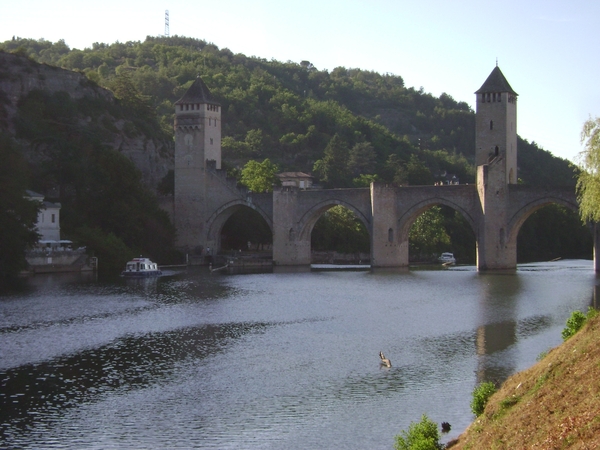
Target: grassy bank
x=553 y=405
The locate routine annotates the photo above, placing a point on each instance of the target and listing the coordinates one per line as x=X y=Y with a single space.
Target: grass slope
x=553 y=405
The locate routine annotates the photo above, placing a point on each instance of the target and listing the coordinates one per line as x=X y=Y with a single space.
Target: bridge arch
x=409 y=216
x=220 y=216
x=525 y=211
x=313 y=214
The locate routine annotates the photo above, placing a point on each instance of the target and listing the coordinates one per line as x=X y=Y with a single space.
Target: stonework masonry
x=495 y=207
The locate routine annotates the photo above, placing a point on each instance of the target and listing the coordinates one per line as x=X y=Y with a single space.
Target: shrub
x=481 y=395
x=423 y=435
x=576 y=321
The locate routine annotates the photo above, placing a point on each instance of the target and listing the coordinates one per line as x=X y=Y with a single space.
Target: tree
x=18 y=214
x=260 y=177
x=428 y=234
x=588 y=182
x=339 y=229
x=332 y=168
x=362 y=159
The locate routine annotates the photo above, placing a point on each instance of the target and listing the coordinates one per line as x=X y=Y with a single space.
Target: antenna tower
x=166 y=23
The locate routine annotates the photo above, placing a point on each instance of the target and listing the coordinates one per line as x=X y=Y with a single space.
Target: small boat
x=141 y=267
x=447 y=258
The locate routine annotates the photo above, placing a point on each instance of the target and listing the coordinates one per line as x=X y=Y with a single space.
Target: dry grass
x=553 y=405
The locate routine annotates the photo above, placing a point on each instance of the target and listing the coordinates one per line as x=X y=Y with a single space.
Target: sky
x=546 y=49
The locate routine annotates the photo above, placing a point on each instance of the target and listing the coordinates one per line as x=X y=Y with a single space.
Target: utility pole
x=167 y=23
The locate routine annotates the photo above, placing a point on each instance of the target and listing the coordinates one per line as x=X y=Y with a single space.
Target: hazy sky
x=548 y=50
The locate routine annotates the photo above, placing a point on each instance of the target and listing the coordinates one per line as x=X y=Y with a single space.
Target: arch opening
x=246 y=231
x=552 y=231
x=339 y=236
x=438 y=228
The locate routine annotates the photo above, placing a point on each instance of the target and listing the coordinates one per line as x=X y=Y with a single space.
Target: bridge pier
x=291 y=246
x=496 y=248
x=388 y=248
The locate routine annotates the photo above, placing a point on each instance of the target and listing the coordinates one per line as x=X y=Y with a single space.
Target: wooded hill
x=346 y=127
x=289 y=111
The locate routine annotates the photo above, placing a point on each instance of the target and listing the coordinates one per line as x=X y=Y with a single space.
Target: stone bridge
x=495 y=207
x=388 y=213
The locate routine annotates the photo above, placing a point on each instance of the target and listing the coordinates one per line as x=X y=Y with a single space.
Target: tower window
x=491 y=124
x=391 y=235
x=499 y=97
x=496 y=151
x=488 y=97
x=211 y=141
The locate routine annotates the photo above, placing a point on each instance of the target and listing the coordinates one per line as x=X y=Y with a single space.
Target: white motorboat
x=447 y=258
x=141 y=267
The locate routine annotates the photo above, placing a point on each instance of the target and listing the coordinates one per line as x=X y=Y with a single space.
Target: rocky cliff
x=19 y=76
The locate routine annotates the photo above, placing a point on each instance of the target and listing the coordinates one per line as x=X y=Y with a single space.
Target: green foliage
x=588 y=182
x=332 y=169
x=480 y=396
x=364 y=180
x=100 y=189
x=576 y=321
x=260 y=177
x=339 y=229
x=423 y=435
x=18 y=214
x=553 y=232
x=428 y=235
x=348 y=125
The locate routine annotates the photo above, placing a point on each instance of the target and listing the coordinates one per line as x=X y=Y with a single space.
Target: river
x=268 y=361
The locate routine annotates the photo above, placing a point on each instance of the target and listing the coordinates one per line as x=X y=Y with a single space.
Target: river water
x=268 y=361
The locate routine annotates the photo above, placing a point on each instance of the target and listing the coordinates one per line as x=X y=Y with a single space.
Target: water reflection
x=498 y=332
x=130 y=363
x=283 y=360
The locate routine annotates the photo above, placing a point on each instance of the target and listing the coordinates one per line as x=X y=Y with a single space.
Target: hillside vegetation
x=553 y=405
x=347 y=127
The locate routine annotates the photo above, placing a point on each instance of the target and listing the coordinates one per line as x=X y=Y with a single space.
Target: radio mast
x=166 y=23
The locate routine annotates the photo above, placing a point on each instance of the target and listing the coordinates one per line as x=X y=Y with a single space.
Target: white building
x=48 y=221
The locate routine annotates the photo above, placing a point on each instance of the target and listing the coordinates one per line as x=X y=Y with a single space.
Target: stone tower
x=496 y=124
x=496 y=159
x=197 y=144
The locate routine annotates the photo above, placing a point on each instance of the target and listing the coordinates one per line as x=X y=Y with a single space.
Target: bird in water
x=446 y=427
x=384 y=361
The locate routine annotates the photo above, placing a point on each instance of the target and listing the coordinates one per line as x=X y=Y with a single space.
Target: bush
x=423 y=435
x=576 y=321
x=481 y=395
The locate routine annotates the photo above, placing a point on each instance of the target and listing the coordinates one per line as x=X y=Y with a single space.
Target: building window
x=391 y=235
x=209 y=121
x=491 y=124
x=53 y=218
x=211 y=141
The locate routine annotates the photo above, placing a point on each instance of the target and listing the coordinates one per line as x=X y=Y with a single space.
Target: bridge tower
x=496 y=159
x=197 y=144
x=496 y=124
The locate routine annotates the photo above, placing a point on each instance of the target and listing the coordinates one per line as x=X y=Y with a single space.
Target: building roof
x=496 y=82
x=198 y=92
x=34 y=195
x=293 y=175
